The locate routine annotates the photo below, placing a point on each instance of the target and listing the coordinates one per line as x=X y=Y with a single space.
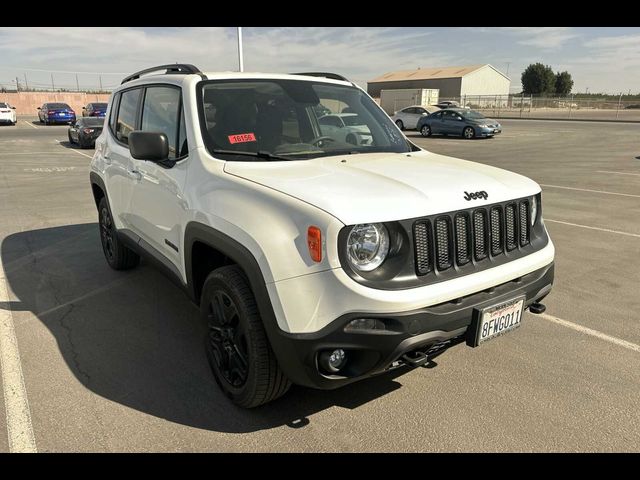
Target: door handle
x=135 y=174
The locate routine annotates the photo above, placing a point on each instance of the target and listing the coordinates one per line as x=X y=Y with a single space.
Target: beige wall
x=485 y=81
x=26 y=103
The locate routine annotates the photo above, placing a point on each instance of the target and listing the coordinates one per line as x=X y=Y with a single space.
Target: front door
x=158 y=205
x=117 y=157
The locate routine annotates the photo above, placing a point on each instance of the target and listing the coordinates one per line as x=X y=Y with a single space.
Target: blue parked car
x=56 y=113
x=94 y=110
x=459 y=122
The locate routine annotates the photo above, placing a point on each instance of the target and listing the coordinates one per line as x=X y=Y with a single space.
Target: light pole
x=240 y=60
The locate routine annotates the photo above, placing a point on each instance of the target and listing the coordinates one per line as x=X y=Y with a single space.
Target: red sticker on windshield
x=242 y=138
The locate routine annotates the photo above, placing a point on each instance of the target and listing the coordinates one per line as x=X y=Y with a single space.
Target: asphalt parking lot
x=114 y=361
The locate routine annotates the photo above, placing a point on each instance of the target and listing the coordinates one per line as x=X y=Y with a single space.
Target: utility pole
x=26 y=84
x=17 y=85
x=100 y=78
x=77 y=84
x=53 y=87
x=619 y=102
x=508 y=63
x=240 y=60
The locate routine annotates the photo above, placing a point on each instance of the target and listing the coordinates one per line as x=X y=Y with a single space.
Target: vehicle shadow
x=67 y=144
x=134 y=338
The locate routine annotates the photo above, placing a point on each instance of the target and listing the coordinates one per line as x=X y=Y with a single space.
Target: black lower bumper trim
x=372 y=352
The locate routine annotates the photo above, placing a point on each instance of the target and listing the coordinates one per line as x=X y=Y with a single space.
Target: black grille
x=524 y=223
x=464 y=236
x=480 y=234
x=496 y=231
x=510 y=214
x=443 y=237
x=421 y=233
x=463 y=242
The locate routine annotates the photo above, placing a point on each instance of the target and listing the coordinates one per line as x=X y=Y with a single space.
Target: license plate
x=62 y=114
x=499 y=319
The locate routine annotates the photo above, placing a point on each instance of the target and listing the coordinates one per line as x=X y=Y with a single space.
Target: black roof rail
x=332 y=76
x=183 y=68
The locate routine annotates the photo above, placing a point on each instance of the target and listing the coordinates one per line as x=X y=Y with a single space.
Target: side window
x=114 y=113
x=330 y=121
x=160 y=114
x=127 y=112
x=420 y=111
x=438 y=115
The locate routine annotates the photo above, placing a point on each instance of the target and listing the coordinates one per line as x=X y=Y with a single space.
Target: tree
x=564 y=83
x=538 y=79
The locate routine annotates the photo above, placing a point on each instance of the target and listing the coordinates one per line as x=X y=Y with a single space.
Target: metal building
x=451 y=81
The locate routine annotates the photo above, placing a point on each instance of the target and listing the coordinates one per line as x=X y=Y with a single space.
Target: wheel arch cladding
x=97 y=188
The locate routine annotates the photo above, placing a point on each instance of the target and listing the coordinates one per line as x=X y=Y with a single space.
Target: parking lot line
x=74 y=150
x=30 y=124
x=589 y=331
x=591 y=191
x=618 y=173
x=593 y=228
x=18 y=415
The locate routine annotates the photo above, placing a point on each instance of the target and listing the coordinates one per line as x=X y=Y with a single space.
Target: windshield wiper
x=260 y=154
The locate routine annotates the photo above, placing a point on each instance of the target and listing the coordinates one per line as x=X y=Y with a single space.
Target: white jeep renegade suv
x=314 y=260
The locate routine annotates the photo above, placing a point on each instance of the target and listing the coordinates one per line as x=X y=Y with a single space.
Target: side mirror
x=13 y=108
x=150 y=146
x=84 y=108
x=39 y=108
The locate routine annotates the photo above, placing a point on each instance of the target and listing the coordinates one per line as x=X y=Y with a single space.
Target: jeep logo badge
x=476 y=195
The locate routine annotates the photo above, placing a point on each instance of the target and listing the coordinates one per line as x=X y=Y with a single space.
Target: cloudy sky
x=600 y=59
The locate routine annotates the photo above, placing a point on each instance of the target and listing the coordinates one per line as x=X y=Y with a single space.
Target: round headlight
x=367 y=246
x=534 y=210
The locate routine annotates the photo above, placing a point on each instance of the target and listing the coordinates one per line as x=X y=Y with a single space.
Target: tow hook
x=418 y=359
x=537 y=308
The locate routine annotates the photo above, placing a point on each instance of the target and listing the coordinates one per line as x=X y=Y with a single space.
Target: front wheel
x=118 y=255
x=400 y=124
x=425 y=131
x=238 y=350
x=468 y=133
x=70 y=139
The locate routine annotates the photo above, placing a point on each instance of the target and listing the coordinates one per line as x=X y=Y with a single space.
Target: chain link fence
x=528 y=106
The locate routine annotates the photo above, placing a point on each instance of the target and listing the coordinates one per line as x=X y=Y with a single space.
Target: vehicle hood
x=378 y=187
x=483 y=121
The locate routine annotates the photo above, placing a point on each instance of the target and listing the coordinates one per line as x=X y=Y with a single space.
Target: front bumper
x=406 y=332
x=488 y=132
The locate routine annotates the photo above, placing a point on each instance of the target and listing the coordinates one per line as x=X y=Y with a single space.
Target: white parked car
x=407 y=118
x=7 y=113
x=312 y=260
x=347 y=127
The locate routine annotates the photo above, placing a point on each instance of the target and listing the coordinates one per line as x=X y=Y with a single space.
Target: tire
x=118 y=255
x=70 y=139
x=425 y=131
x=468 y=133
x=400 y=124
x=239 y=353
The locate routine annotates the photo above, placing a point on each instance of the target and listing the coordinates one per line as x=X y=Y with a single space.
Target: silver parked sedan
x=408 y=117
x=459 y=122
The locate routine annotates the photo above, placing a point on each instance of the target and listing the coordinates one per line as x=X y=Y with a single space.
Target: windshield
x=472 y=114
x=282 y=118
x=57 y=105
x=4 y=105
x=99 y=105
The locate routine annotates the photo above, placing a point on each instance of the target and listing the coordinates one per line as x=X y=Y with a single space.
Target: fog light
x=333 y=360
x=365 y=325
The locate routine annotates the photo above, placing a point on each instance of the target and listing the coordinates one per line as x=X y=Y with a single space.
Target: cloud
x=542 y=37
x=358 y=53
